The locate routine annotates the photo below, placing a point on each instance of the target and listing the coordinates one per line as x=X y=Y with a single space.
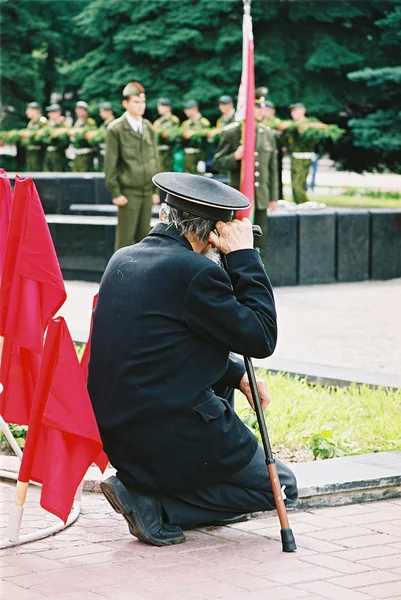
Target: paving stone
x=376 y=539
x=330 y=591
x=338 y=564
x=385 y=590
x=304 y=574
x=359 y=580
x=9 y=590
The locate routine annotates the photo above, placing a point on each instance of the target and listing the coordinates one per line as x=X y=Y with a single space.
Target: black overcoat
x=164 y=325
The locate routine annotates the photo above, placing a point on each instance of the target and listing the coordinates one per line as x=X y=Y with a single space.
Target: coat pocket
x=211 y=408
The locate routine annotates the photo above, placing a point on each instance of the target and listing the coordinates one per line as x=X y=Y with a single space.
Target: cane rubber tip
x=288 y=540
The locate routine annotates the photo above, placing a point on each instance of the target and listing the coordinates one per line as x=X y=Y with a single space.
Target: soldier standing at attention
x=226 y=107
x=55 y=159
x=107 y=115
x=194 y=134
x=130 y=162
x=229 y=155
x=270 y=120
x=301 y=148
x=83 y=161
x=34 y=152
x=165 y=125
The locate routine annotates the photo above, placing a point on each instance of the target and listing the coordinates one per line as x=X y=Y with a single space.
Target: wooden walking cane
x=287 y=536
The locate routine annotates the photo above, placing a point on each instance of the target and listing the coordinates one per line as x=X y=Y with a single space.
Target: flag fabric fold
x=63 y=437
x=31 y=291
x=32 y=287
x=245 y=113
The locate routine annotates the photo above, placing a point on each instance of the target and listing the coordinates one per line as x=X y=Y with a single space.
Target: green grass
x=351 y=420
x=355 y=201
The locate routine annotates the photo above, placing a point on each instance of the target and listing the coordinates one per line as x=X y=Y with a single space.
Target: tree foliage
x=379 y=129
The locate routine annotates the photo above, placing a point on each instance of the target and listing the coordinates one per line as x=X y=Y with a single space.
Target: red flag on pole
x=32 y=287
x=5 y=212
x=245 y=112
x=31 y=291
x=63 y=437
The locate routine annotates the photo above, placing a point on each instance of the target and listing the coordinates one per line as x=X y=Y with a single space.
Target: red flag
x=63 y=438
x=245 y=113
x=32 y=287
x=5 y=212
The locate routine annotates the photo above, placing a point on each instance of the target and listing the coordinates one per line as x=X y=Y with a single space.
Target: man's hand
x=120 y=200
x=234 y=235
x=245 y=388
x=239 y=153
x=155 y=199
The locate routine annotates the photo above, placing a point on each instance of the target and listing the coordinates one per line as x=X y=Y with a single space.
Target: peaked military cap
x=82 y=104
x=191 y=104
x=201 y=196
x=164 y=101
x=225 y=100
x=269 y=104
x=297 y=105
x=133 y=88
x=53 y=108
x=34 y=105
x=105 y=106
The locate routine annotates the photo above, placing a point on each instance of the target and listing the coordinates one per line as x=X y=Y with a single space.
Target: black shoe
x=142 y=513
x=231 y=520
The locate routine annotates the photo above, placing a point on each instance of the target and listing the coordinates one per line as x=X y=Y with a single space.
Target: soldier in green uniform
x=226 y=107
x=270 y=120
x=83 y=160
x=301 y=148
x=107 y=115
x=166 y=126
x=131 y=160
x=55 y=158
x=194 y=135
x=34 y=152
x=229 y=155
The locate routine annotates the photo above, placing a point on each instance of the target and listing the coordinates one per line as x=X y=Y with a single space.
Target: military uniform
x=225 y=120
x=163 y=126
x=55 y=158
x=83 y=160
x=131 y=160
x=274 y=125
x=35 y=152
x=195 y=148
x=266 y=181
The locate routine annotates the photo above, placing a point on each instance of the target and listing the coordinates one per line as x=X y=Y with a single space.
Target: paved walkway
x=345 y=553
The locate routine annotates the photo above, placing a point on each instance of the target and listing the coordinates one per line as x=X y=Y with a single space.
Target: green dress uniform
x=302 y=154
x=102 y=145
x=195 y=148
x=35 y=152
x=83 y=160
x=274 y=125
x=131 y=160
x=163 y=127
x=225 y=120
x=266 y=182
x=55 y=158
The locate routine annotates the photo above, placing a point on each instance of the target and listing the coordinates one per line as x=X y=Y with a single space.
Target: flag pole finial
x=247 y=6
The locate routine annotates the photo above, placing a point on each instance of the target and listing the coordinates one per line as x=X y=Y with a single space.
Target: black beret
x=191 y=104
x=164 y=101
x=34 y=105
x=200 y=195
x=225 y=100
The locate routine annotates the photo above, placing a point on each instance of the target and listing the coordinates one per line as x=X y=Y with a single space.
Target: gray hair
x=185 y=222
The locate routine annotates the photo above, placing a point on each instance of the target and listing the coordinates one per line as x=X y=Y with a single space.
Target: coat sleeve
x=224 y=159
x=236 y=309
x=111 y=163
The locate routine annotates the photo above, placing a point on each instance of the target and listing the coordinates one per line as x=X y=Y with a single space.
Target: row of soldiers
x=185 y=146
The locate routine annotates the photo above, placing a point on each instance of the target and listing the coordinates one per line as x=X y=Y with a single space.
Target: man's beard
x=214 y=256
